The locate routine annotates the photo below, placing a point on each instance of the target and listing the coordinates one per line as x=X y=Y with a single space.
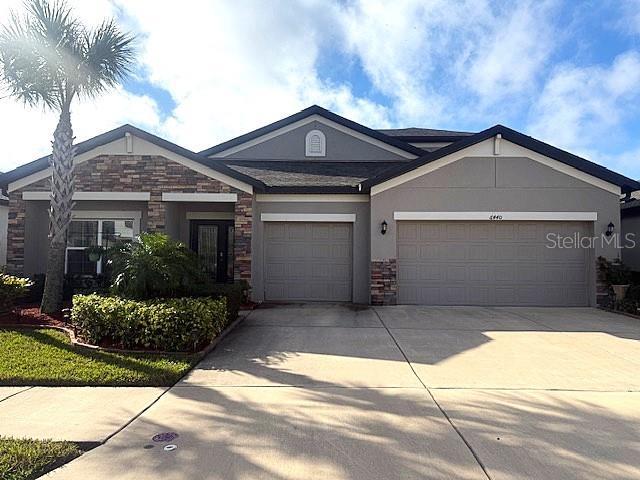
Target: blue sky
x=565 y=72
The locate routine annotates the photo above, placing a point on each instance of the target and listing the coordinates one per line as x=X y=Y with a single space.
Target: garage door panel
x=490 y=263
x=308 y=261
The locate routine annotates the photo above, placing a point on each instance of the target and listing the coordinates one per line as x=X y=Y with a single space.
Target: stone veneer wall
x=384 y=282
x=138 y=173
x=604 y=293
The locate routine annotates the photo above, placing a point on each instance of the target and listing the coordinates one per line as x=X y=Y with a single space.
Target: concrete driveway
x=340 y=392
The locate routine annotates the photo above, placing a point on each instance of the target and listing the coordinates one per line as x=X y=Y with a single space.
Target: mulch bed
x=31 y=315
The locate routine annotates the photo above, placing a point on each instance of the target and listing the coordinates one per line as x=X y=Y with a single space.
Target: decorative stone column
x=604 y=293
x=156 y=214
x=15 y=234
x=242 y=247
x=384 y=282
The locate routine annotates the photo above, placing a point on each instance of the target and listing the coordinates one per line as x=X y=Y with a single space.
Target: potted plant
x=94 y=253
x=619 y=277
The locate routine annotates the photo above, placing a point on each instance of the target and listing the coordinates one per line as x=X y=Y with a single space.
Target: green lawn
x=27 y=459
x=47 y=357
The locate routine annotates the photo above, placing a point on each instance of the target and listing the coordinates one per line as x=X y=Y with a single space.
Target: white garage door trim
x=511 y=216
x=308 y=217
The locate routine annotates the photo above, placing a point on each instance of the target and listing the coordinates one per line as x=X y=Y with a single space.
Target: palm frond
x=40 y=53
x=109 y=56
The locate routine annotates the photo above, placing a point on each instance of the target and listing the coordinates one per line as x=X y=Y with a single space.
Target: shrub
x=234 y=293
x=615 y=272
x=177 y=324
x=11 y=289
x=154 y=266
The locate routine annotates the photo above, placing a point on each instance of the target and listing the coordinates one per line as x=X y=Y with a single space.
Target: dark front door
x=212 y=240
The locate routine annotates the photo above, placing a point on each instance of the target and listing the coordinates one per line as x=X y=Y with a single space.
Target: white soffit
x=499 y=216
x=109 y=196
x=485 y=149
x=324 y=121
x=133 y=145
x=199 y=197
x=308 y=197
x=308 y=217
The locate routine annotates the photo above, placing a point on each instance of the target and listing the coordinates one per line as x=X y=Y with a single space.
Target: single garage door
x=491 y=263
x=308 y=261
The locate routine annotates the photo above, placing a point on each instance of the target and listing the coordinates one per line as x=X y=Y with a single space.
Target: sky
x=567 y=73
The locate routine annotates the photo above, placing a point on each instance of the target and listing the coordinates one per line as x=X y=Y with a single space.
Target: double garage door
x=308 y=261
x=491 y=263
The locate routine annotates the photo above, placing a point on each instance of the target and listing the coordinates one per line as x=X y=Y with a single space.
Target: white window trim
x=306 y=121
x=308 y=217
x=101 y=216
x=485 y=149
x=499 y=216
x=110 y=196
x=309 y=197
x=199 y=197
x=307 y=144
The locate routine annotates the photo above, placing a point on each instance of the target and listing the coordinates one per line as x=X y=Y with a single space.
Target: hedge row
x=176 y=324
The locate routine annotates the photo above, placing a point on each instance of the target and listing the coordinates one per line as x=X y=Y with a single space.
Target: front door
x=212 y=240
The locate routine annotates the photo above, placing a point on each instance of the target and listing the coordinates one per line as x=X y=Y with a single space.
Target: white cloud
x=441 y=62
x=578 y=103
x=234 y=66
x=27 y=132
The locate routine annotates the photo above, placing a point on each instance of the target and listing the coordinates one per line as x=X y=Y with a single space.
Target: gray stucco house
x=316 y=207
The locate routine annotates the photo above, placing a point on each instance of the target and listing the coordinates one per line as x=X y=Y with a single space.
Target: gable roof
x=625 y=183
x=117 y=133
x=426 y=135
x=313 y=110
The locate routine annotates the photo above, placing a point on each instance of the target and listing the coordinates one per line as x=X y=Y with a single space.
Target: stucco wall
x=360 y=240
x=37 y=227
x=492 y=184
x=339 y=145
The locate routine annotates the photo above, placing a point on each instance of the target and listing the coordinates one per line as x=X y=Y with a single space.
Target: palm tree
x=47 y=58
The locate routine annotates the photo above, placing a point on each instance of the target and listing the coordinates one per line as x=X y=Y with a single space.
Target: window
x=84 y=233
x=315 y=144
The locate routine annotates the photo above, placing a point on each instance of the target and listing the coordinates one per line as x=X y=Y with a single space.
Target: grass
x=24 y=459
x=47 y=357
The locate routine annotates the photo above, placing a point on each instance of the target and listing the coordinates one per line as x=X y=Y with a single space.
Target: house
x=316 y=207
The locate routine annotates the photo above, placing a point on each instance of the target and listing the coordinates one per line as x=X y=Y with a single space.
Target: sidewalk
x=78 y=414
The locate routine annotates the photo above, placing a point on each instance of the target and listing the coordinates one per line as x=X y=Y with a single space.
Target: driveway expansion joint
x=16 y=393
x=442 y=411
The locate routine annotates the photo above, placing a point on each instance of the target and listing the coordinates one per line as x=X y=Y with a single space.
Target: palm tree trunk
x=62 y=188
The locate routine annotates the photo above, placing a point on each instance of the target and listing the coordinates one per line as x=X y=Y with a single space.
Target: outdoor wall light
x=610 y=228
x=383 y=227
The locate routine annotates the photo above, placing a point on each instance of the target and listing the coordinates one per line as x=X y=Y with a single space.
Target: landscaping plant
x=155 y=266
x=174 y=324
x=12 y=289
x=48 y=58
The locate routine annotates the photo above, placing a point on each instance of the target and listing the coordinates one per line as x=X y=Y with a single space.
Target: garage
x=491 y=263
x=308 y=261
